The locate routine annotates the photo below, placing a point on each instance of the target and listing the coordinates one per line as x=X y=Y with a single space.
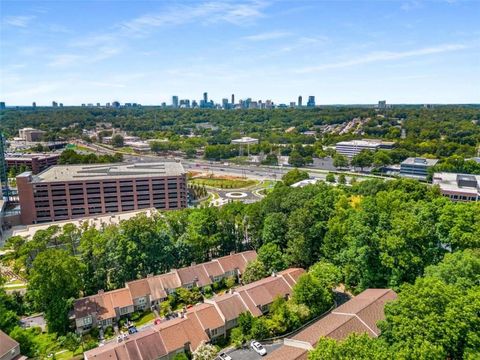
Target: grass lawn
x=81 y=148
x=15 y=286
x=221 y=183
x=150 y=316
x=126 y=149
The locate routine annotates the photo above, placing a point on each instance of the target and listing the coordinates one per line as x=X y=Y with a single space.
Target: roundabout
x=236 y=195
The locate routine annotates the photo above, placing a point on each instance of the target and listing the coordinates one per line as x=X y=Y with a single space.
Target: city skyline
x=341 y=53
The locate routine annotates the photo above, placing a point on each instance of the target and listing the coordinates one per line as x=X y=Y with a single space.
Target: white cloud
x=265 y=36
x=207 y=12
x=18 y=21
x=99 y=54
x=384 y=56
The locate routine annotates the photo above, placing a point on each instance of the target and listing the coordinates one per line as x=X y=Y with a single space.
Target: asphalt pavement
x=249 y=354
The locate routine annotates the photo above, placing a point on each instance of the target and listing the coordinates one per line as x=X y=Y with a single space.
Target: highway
x=257 y=172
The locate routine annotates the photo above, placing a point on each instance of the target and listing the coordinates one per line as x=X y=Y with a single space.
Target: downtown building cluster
x=204 y=103
x=227 y=103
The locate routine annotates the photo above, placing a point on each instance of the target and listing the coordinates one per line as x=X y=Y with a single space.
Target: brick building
x=73 y=191
x=36 y=163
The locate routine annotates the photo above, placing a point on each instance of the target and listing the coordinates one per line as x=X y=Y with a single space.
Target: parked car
x=258 y=348
x=223 y=356
x=132 y=329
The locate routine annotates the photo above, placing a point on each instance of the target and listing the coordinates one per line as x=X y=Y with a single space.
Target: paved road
x=249 y=354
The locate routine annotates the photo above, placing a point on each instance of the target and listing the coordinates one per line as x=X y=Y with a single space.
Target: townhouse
x=358 y=315
x=206 y=322
x=9 y=348
x=104 y=308
x=162 y=341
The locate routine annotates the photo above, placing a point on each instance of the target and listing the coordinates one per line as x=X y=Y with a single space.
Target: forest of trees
x=440 y=132
x=70 y=156
x=399 y=234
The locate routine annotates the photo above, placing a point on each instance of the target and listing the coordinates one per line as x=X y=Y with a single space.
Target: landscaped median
x=223 y=182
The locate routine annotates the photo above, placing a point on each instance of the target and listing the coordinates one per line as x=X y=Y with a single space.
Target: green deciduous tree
x=55 y=279
x=310 y=292
x=271 y=257
x=254 y=271
x=117 y=140
x=354 y=347
x=363 y=159
x=205 y=352
x=340 y=161
x=294 y=176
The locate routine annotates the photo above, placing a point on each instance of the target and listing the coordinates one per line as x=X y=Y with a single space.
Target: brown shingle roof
x=105 y=308
x=151 y=346
x=120 y=298
x=153 y=343
x=207 y=315
x=194 y=274
x=230 y=305
x=213 y=268
x=177 y=333
x=264 y=292
x=7 y=344
x=170 y=280
x=292 y=275
x=157 y=291
x=139 y=288
x=237 y=261
x=358 y=315
x=285 y=352
x=84 y=307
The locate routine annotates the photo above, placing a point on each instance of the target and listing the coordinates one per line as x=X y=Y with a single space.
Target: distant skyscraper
x=98 y=104
x=225 y=103
x=233 y=99
x=194 y=104
x=34 y=105
x=205 y=97
x=382 y=104
x=3 y=164
x=311 y=101
x=116 y=104
x=61 y=104
x=54 y=104
x=300 y=101
x=2 y=105
x=175 y=101
x=292 y=104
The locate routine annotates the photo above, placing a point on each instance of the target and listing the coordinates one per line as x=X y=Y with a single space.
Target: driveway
x=249 y=354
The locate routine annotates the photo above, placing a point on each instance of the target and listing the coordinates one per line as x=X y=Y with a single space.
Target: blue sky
x=146 y=51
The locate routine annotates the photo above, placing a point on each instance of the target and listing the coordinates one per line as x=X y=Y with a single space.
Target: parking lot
x=249 y=354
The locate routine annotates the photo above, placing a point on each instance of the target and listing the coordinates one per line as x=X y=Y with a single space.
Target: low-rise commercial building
x=416 y=168
x=33 y=162
x=74 y=191
x=201 y=323
x=458 y=187
x=31 y=134
x=105 y=308
x=358 y=315
x=354 y=147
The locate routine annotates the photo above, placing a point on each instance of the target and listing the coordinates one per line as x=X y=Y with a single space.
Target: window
x=87 y=320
